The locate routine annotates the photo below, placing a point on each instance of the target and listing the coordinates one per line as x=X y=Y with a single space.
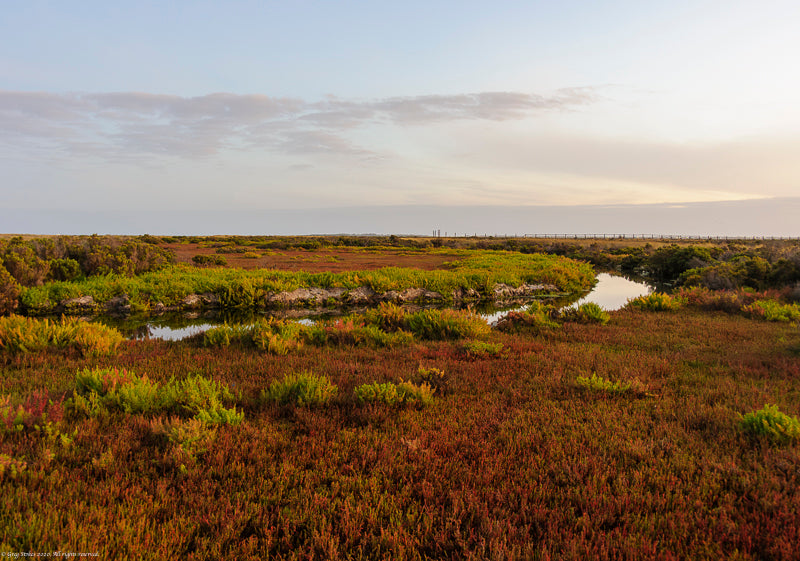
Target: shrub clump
x=655 y=302
x=302 y=389
x=433 y=377
x=772 y=424
x=402 y=394
x=428 y=324
x=598 y=383
x=9 y=292
x=446 y=324
x=481 y=349
x=209 y=260
x=772 y=310
x=102 y=389
x=536 y=317
x=587 y=313
x=21 y=335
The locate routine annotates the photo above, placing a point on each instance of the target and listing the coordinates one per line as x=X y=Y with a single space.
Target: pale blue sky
x=248 y=106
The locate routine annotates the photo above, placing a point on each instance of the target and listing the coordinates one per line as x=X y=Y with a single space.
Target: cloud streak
x=142 y=123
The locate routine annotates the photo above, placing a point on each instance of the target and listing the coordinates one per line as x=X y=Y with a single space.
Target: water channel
x=611 y=293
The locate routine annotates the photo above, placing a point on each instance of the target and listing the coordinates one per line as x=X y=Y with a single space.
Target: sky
x=260 y=117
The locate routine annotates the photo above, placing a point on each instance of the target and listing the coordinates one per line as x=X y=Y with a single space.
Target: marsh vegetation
x=665 y=429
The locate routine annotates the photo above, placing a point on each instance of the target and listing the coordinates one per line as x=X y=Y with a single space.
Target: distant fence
x=653 y=237
x=619 y=237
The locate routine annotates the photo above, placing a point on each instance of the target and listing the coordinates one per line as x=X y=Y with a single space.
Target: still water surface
x=610 y=293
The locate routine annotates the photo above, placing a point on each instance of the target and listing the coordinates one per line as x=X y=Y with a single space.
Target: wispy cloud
x=142 y=123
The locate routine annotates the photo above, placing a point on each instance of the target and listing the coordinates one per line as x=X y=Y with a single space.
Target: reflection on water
x=611 y=293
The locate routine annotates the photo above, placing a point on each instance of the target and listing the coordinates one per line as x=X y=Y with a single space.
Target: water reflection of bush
x=143 y=326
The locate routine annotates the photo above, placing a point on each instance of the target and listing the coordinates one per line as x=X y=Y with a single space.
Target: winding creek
x=611 y=293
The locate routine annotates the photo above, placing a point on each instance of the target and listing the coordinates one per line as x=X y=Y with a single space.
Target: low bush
x=302 y=389
x=598 y=383
x=9 y=292
x=772 y=310
x=480 y=349
x=729 y=301
x=437 y=379
x=415 y=395
x=202 y=398
x=102 y=389
x=654 y=302
x=772 y=424
x=21 y=335
x=403 y=394
x=536 y=317
x=377 y=393
x=387 y=316
x=587 y=313
x=193 y=436
x=277 y=336
x=446 y=324
x=210 y=260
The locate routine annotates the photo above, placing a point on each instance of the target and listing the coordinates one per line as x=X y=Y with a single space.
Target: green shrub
x=21 y=335
x=655 y=302
x=9 y=292
x=447 y=324
x=536 y=317
x=387 y=316
x=377 y=393
x=375 y=337
x=102 y=381
x=437 y=379
x=197 y=395
x=415 y=395
x=239 y=293
x=480 y=349
x=224 y=335
x=101 y=389
x=599 y=383
x=587 y=313
x=140 y=395
x=277 y=336
x=301 y=389
x=772 y=424
x=194 y=436
x=772 y=310
x=211 y=260
x=65 y=270
x=402 y=394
